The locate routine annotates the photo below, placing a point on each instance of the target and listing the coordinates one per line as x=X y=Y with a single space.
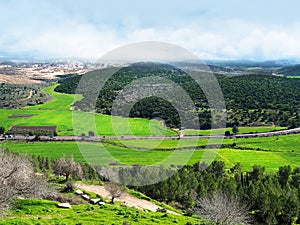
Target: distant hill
x=250 y=99
x=290 y=70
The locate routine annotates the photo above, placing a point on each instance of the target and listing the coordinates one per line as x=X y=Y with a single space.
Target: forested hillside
x=290 y=70
x=250 y=99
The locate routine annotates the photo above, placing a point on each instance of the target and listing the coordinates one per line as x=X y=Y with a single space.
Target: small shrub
x=114 y=163
x=90 y=208
x=125 y=222
x=227 y=133
x=188 y=213
x=162 y=210
x=70 y=186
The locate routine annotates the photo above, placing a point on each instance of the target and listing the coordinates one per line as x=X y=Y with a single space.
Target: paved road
x=98 y=139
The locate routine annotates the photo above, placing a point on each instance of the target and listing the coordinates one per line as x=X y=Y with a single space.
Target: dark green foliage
x=283 y=175
x=235 y=129
x=92 y=133
x=273 y=198
x=290 y=70
x=2 y=130
x=250 y=99
x=227 y=133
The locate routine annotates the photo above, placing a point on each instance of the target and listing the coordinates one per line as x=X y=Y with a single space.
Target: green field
x=59 y=100
x=273 y=151
x=46 y=212
x=57 y=112
x=293 y=77
x=242 y=130
x=276 y=143
x=280 y=143
x=106 y=154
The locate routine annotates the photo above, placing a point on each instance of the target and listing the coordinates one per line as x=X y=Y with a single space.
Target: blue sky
x=217 y=29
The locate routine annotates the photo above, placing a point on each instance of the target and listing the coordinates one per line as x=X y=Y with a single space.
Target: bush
x=162 y=210
x=125 y=222
x=227 y=133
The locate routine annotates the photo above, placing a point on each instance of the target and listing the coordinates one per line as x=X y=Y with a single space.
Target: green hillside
x=58 y=112
x=250 y=99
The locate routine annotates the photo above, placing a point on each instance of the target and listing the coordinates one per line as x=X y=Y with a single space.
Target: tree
x=284 y=173
x=227 y=133
x=91 y=133
x=217 y=168
x=2 y=130
x=257 y=172
x=18 y=178
x=67 y=167
x=222 y=209
x=235 y=129
x=114 y=190
x=237 y=168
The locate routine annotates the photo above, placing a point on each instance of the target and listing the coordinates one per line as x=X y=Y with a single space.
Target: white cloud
x=232 y=38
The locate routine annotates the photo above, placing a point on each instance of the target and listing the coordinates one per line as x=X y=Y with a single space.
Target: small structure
x=78 y=192
x=64 y=205
x=86 y=197
x=33 y=130
x=95 y=200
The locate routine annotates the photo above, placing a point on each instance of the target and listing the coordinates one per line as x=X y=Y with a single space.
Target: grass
x=279 y=154
x=242 y=130
x=46 y=212
x=58 y=113
x=59 y=101
x=279 y=143
x=276 y=143
x=293 y=77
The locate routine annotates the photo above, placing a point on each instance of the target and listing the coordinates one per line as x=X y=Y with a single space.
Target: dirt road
x=129 y=200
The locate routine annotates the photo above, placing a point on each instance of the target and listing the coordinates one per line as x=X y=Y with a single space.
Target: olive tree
x=19 y=179
x=67 y=167
x=114 y=190
x=222 y=209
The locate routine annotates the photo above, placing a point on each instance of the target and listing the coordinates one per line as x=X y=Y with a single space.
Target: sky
x=211 y=29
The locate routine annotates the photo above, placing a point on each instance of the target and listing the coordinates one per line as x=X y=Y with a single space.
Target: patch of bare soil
x=129 y=200
x=17 y=80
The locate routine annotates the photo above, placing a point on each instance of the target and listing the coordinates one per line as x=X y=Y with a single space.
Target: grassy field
x=46 y=212
x=279 y=143
x=59 y=101
x=293 y=77
x=57 y=113
x=242 y=130
x=96 y=153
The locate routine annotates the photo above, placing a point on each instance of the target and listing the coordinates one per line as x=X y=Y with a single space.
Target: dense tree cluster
x=270 y=198
x=250 y=99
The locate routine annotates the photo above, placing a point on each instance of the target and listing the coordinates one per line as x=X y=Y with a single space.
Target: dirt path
x=30 y=95
x=129 y=200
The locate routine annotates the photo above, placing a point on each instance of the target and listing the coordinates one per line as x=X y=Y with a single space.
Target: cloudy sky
x=212 y=29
